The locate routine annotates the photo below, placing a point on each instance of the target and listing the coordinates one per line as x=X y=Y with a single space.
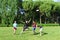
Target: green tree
x=44 y=10
x=8 y=10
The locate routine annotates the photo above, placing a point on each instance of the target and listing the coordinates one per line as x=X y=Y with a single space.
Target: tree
x=8 y=10
x=28 y=7
x=44 y=10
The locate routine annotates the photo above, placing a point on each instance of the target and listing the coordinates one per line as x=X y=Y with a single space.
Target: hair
x=14 y=21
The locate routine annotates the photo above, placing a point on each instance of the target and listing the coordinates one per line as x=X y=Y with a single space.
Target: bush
x=49 y=24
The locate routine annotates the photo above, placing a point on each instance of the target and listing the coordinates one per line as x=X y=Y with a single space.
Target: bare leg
x=40 y=33
x=34 y=31
x=14 y=31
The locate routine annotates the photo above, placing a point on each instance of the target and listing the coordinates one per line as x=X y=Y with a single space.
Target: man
x=26 y=25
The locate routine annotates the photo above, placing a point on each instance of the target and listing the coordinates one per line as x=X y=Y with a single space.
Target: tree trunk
x=45 y=20
x=57 y=19
x=40 y=19
x=33 y=18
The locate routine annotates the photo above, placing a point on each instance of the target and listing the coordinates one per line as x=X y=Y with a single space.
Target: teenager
x=15 y=26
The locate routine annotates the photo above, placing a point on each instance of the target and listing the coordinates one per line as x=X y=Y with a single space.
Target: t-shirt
x=15 y=25
x=34 y=24
x=26 y=24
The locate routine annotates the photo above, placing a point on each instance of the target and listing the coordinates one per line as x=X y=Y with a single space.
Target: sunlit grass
x=51 y=33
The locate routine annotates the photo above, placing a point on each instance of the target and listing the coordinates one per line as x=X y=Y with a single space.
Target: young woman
x=34 y=25
x=15 y=26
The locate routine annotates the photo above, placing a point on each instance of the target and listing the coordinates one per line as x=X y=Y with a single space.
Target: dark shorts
x=34 y=28
x=25 y=27
x=15 y=28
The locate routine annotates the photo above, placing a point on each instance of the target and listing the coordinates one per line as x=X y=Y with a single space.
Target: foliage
x=48 y=10
x=7 y=12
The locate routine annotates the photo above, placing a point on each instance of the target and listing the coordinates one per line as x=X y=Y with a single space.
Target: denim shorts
x=34 y=28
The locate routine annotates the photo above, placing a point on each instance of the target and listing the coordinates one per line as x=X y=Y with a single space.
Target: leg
x=40 y=33
x=14 y=31
x=24 y=28
x=34 y=30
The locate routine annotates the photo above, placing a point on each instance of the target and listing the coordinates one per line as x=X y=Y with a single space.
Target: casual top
x=26 y=24
x=41 y=28
x=15 y=25
x=34 y=24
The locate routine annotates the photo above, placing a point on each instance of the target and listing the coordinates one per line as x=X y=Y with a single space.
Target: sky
x=42 y=0
x=56 y=0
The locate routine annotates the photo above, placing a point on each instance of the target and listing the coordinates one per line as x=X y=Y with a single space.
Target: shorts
x=15 y=28
x=34 y=28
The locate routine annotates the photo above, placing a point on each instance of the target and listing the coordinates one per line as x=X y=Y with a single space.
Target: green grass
x=52 y=33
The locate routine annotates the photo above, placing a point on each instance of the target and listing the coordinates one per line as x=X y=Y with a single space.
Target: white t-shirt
x=41 y=29
x=15 y=25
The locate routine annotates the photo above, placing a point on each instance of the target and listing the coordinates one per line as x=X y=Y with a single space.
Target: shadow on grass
x=36 y=33
x=42 y=33
x=17 y=34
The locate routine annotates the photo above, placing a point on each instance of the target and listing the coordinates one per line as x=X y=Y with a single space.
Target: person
x=41 y=28
x=34 y=26
x=15 y=27
x=25 y=25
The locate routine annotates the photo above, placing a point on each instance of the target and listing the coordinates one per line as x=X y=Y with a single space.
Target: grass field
x=50 y=33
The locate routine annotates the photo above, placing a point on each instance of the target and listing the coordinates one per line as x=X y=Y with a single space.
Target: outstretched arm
x=29 y=20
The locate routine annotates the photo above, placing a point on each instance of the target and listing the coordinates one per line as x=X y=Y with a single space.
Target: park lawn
x=50 y=33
